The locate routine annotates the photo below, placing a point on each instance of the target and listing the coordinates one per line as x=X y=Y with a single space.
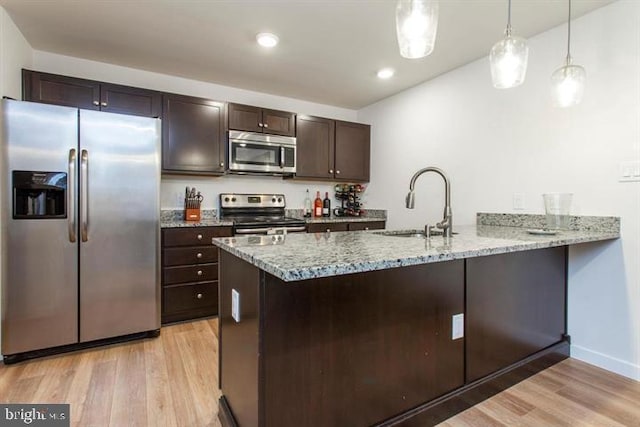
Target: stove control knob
x=233 y=199
x=273 y=200
x=279 y=199
x=226 y=199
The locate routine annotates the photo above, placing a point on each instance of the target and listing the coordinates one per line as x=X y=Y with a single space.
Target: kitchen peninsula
x=366 y=328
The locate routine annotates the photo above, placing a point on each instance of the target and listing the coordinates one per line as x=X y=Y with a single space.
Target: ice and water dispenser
x=39 y=195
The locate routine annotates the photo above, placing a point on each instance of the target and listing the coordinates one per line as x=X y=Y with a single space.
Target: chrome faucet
x=447 y=222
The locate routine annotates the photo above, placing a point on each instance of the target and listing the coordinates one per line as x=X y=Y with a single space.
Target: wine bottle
x=317 y=205
x=307 y=205
x=326 y=205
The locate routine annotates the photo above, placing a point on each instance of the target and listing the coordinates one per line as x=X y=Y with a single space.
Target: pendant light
x=508 y=59
x=568 y=81
x=416 y=27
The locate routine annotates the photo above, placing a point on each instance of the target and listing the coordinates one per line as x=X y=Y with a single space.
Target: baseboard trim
x=224 y=414
x=612 y=364
x=446 y=406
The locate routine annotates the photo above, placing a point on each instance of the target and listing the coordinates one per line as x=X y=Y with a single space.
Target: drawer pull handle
x=199 y=255
x=366 y=228
x=199 y=296
x=199 y=273
x=199 y=237
x=328 y=230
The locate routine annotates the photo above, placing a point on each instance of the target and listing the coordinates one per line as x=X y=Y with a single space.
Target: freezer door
x=39 y=258
x=119 y=224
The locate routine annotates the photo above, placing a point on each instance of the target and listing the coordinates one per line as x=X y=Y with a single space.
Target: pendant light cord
x=569 y=36
x=508 y=30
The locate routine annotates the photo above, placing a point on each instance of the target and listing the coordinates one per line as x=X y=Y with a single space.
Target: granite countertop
x=302 y=256
x=174 y=218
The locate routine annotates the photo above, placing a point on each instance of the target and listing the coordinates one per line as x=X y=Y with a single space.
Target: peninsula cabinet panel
x=90 y=95
x=354 y=350
x=515 y=306
x=353 y=141
x=315 y=145
x=193 y=135
x=256 y=119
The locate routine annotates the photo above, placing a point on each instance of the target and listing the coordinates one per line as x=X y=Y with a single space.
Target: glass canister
x=557 y=207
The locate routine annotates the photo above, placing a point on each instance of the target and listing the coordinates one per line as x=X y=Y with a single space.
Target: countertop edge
x=290 y=275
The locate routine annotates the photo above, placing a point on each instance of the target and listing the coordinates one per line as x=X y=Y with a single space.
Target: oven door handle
x=281 y=157
x=266 y=230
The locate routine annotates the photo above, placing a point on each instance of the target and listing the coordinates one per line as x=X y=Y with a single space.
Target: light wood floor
x=172 y=381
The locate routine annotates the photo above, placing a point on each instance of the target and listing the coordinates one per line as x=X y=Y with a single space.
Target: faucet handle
x=427 y=230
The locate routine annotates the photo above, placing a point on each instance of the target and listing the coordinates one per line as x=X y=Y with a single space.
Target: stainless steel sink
x=416 y=234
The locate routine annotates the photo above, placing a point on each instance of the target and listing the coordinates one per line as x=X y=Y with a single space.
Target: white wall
x=173 y=187
x=15 y=53
x=494 y=143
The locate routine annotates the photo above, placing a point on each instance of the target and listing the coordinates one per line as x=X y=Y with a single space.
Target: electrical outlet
x=235 y=305
x=457 y=326
x=518 y=201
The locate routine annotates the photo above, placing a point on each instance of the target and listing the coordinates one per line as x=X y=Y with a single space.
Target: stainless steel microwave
x=251 y=152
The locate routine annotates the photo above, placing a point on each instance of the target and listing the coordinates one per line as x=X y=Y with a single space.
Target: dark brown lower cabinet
x=190 y=272
x=348 y=350
x=320 y=227
x=515 y=306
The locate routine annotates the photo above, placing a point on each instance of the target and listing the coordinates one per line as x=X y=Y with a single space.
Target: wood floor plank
x=172 y=381
x=129 y=405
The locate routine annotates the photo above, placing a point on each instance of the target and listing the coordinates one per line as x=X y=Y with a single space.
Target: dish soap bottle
x=307 y=205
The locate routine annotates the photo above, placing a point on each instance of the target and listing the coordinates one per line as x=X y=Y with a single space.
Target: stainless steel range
x=258 y=214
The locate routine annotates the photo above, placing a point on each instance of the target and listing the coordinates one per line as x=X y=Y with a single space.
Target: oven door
x=265 y=154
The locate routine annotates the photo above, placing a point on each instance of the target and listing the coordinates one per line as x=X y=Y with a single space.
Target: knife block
x=192 y=214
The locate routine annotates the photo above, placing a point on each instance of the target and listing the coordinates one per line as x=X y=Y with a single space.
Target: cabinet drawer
x=191 y=273
x=196 y=255
x=193 y=236
x=191 y=298
x=373 y=225
x=330 y=226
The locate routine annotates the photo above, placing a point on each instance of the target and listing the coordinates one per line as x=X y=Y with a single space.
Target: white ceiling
x=329 y=51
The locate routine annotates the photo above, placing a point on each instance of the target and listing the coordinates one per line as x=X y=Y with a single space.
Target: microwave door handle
x=281 y=157
x=71 y=195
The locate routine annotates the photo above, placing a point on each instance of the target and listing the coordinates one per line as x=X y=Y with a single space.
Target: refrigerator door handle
x=71 y=196
x=84 y=195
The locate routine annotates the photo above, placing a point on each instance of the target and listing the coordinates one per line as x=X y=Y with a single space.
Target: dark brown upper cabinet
x=193 y=135
x=89 y=95
x=332 y=150
x=256 y=119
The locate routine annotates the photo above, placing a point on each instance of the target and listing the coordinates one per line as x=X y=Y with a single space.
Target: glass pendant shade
x=508 y=59
x=416 y=27
x=567 y=84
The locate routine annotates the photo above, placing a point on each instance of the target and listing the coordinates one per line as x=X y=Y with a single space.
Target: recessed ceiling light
x=386 y=73
x=267 y=39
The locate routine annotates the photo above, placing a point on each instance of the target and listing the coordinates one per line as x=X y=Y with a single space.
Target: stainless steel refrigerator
x=80 y=226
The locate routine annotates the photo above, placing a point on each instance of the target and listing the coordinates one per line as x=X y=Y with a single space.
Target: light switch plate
x=457 y=326
x=629 y=171
x=518 y=201
x=235 y=305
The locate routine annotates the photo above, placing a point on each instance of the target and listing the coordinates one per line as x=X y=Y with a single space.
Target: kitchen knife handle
x=71 y=195
x=84 y=195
